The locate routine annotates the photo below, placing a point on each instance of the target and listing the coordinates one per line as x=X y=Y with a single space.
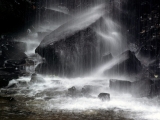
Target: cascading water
x=50 y=93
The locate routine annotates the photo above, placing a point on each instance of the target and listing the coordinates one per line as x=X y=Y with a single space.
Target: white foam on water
x=136 y=108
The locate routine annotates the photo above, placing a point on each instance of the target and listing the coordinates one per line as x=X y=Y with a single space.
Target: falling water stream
x=51 y=97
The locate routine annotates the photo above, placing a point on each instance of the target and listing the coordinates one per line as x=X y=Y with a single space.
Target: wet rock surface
x=129 y=67
x=67 y=51
x=104 y=96
x=36 y=79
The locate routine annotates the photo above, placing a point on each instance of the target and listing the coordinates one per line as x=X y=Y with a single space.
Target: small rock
x=36 y=79
x=72 y=91
x=104 y=96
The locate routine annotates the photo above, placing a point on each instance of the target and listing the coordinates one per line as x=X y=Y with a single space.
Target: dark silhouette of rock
x=36 y=79
x=120 y=85
x=104 y=96
x=71 y=53
x=72 y=91
x=129 y=67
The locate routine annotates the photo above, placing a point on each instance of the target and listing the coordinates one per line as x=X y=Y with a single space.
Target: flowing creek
x=49 y=100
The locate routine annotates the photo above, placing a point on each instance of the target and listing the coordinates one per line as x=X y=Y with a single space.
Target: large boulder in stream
x=73 y=48
x=36 y=79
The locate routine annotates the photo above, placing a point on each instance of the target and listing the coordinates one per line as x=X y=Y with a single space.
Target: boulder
x=104 y=96
x=73 y=92
x=73 y=55
x=129 y=67
x=73 y=49
x=120 y=85
x=36 y=79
